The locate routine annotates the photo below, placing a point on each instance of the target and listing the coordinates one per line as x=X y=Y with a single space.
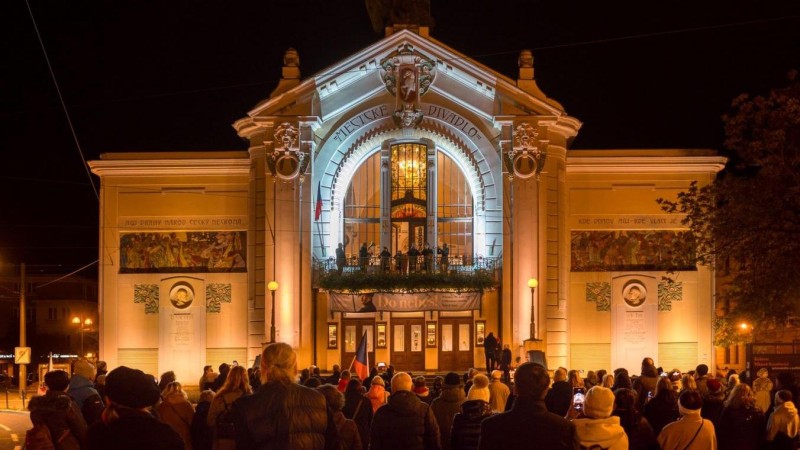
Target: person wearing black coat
x=742 y=426
x=405 y=422
x=559 y=397
x=202 y=434
x=713 y=402
x=528 y=425
x=663 y=407
x=489 y=349
x=467 y=425
x=358 y=408
x=59 y=412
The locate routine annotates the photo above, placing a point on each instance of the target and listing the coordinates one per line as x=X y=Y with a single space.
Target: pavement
x=13 y=425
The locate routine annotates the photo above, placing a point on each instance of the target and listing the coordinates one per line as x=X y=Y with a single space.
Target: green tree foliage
x=747 y=222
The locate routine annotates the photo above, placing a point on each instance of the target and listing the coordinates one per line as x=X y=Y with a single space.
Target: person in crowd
x=640 y=433
x=595 y=427
x=102 y=368
x=574 y=379
x=237 y=385
x=783 y=424
x=489 y=348
x=590 y=380
x=498 y=392
x=127 y=423
x=377 y=394
x=608 y=380
x=436 y=389
x=447 y=405
x=220 y=380
x=336 y=375
x=427 y=257
x=305 y=375
x=100 y=385
x=386 y=259
x=363 y=257
x=466 y=430
x=689 y=383
x=343 y=380
x=341 y=260
x=358 y=408
x=413 y=258
x=312 y=383
x=282 y=413
x=528 y=424
x=559 y=397
x=202 y=434
x=733 y=381
x=405 y=422
x=663 y=407
x=176 y=411
x=675 y=377
x=742 y=426
x=645 y=385
x=422 y=390
x=82 y=390
x=713 y=402
x=165 y=379
x=58 y=412
x=701 y=379
x=207 y=379
x=348 y=431
x=600 y=375
x=762 y=389
x=622 y=380
x=468 y=379
x=505 y=363
x=785 y=381
x=691 y=431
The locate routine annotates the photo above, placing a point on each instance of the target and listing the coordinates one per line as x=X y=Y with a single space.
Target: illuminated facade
x=403 y=144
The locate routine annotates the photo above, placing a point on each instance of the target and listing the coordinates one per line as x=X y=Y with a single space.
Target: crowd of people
x=414 y=260
x=275 y=407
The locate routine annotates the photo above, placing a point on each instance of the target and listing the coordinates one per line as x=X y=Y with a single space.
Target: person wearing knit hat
x=691 y=431
x=58 y=412
x=377 y=394
x=498 y=392
x=81 y=386
x=467 y=423
x=598 y=428
x=447 y=405
x=713 y=401
x=127 y=422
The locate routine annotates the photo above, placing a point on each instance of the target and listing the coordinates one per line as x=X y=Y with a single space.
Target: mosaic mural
x=147 y=294
x=613 y=251
x=183 y=251
x=600 y=294
x=216 y=295
x=669 y=292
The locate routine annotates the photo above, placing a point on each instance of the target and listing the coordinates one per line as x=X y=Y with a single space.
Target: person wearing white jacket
x=597 y=428
x=784 y=423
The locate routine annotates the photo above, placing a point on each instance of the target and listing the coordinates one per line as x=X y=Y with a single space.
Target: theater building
x=207 y=256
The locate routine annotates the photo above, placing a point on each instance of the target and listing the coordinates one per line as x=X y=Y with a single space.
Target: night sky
x=174 y=75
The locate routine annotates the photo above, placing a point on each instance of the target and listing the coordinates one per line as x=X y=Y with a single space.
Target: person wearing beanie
x=528 y=424
x=405 y=423
x=59 y=412
x=691 y=431
x=82 y=390
x=377 y=394
x=595 y=427
x=421 y=389
x=713 y=402
x=498 y=392
x=783 y=424
x=447 y=405
x=127 y=423
x=466 y=430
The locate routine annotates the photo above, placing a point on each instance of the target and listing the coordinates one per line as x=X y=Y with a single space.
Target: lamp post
x=272 y=286
x=533 y=283
x=83 y=324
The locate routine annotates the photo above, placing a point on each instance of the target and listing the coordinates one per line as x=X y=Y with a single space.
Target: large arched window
x=455 y=207
x=362 y=206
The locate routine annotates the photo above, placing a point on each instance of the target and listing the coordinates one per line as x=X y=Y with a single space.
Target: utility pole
x=23 y=375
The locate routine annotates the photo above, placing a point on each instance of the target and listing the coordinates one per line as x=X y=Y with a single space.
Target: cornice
x=645 y=164
x=171 y=167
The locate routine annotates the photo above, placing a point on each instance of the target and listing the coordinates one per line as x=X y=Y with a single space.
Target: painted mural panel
x=625 y=250
x=183 y=252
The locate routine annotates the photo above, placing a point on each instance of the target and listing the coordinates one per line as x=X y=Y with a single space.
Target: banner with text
x=423 y=301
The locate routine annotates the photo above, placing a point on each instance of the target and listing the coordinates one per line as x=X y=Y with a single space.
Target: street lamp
x=83 y=325
x=272 y=286
x=533 y=283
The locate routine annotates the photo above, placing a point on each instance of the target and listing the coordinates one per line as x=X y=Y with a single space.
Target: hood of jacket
x=377 y=392
x=603 y=433
x=789 y=407
x=176 y=398
x=452 y=394
x=50 y=402
x=475 y=409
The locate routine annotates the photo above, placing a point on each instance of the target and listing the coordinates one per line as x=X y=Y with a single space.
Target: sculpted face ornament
x=286 y=161
x=526 y=159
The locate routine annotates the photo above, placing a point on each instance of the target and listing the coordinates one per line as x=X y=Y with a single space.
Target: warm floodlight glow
x=88 y=322
x=76 y=320
x=272 y=286
x=744 y=326
x=533 y=283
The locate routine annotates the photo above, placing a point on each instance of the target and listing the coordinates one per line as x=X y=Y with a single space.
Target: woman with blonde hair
x=688 y=383
x=741 y=424
x=177 y=412
x=608 y=380
x=574 y=379
x=236 y=385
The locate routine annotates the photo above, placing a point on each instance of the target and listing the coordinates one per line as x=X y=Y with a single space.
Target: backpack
x=39 y=438
x=225 y=428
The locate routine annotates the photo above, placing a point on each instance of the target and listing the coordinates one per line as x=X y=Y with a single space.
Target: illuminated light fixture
x=533 y=283
x=272 y=286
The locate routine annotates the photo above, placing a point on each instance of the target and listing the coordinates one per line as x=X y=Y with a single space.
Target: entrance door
x=408 y=349
x=353 y=331
x=455 y=344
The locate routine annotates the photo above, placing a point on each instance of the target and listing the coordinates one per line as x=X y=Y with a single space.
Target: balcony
x=404 y=274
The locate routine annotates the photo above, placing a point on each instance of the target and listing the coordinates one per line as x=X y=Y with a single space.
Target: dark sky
x=173 y=76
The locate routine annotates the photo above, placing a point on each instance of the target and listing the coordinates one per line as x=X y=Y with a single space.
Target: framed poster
x=480 y=332
x=381 y=332
x=430 y=334
x=333 y=335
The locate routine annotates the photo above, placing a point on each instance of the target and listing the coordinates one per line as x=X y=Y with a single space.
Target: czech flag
x=360 y=364
x=318 y=207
